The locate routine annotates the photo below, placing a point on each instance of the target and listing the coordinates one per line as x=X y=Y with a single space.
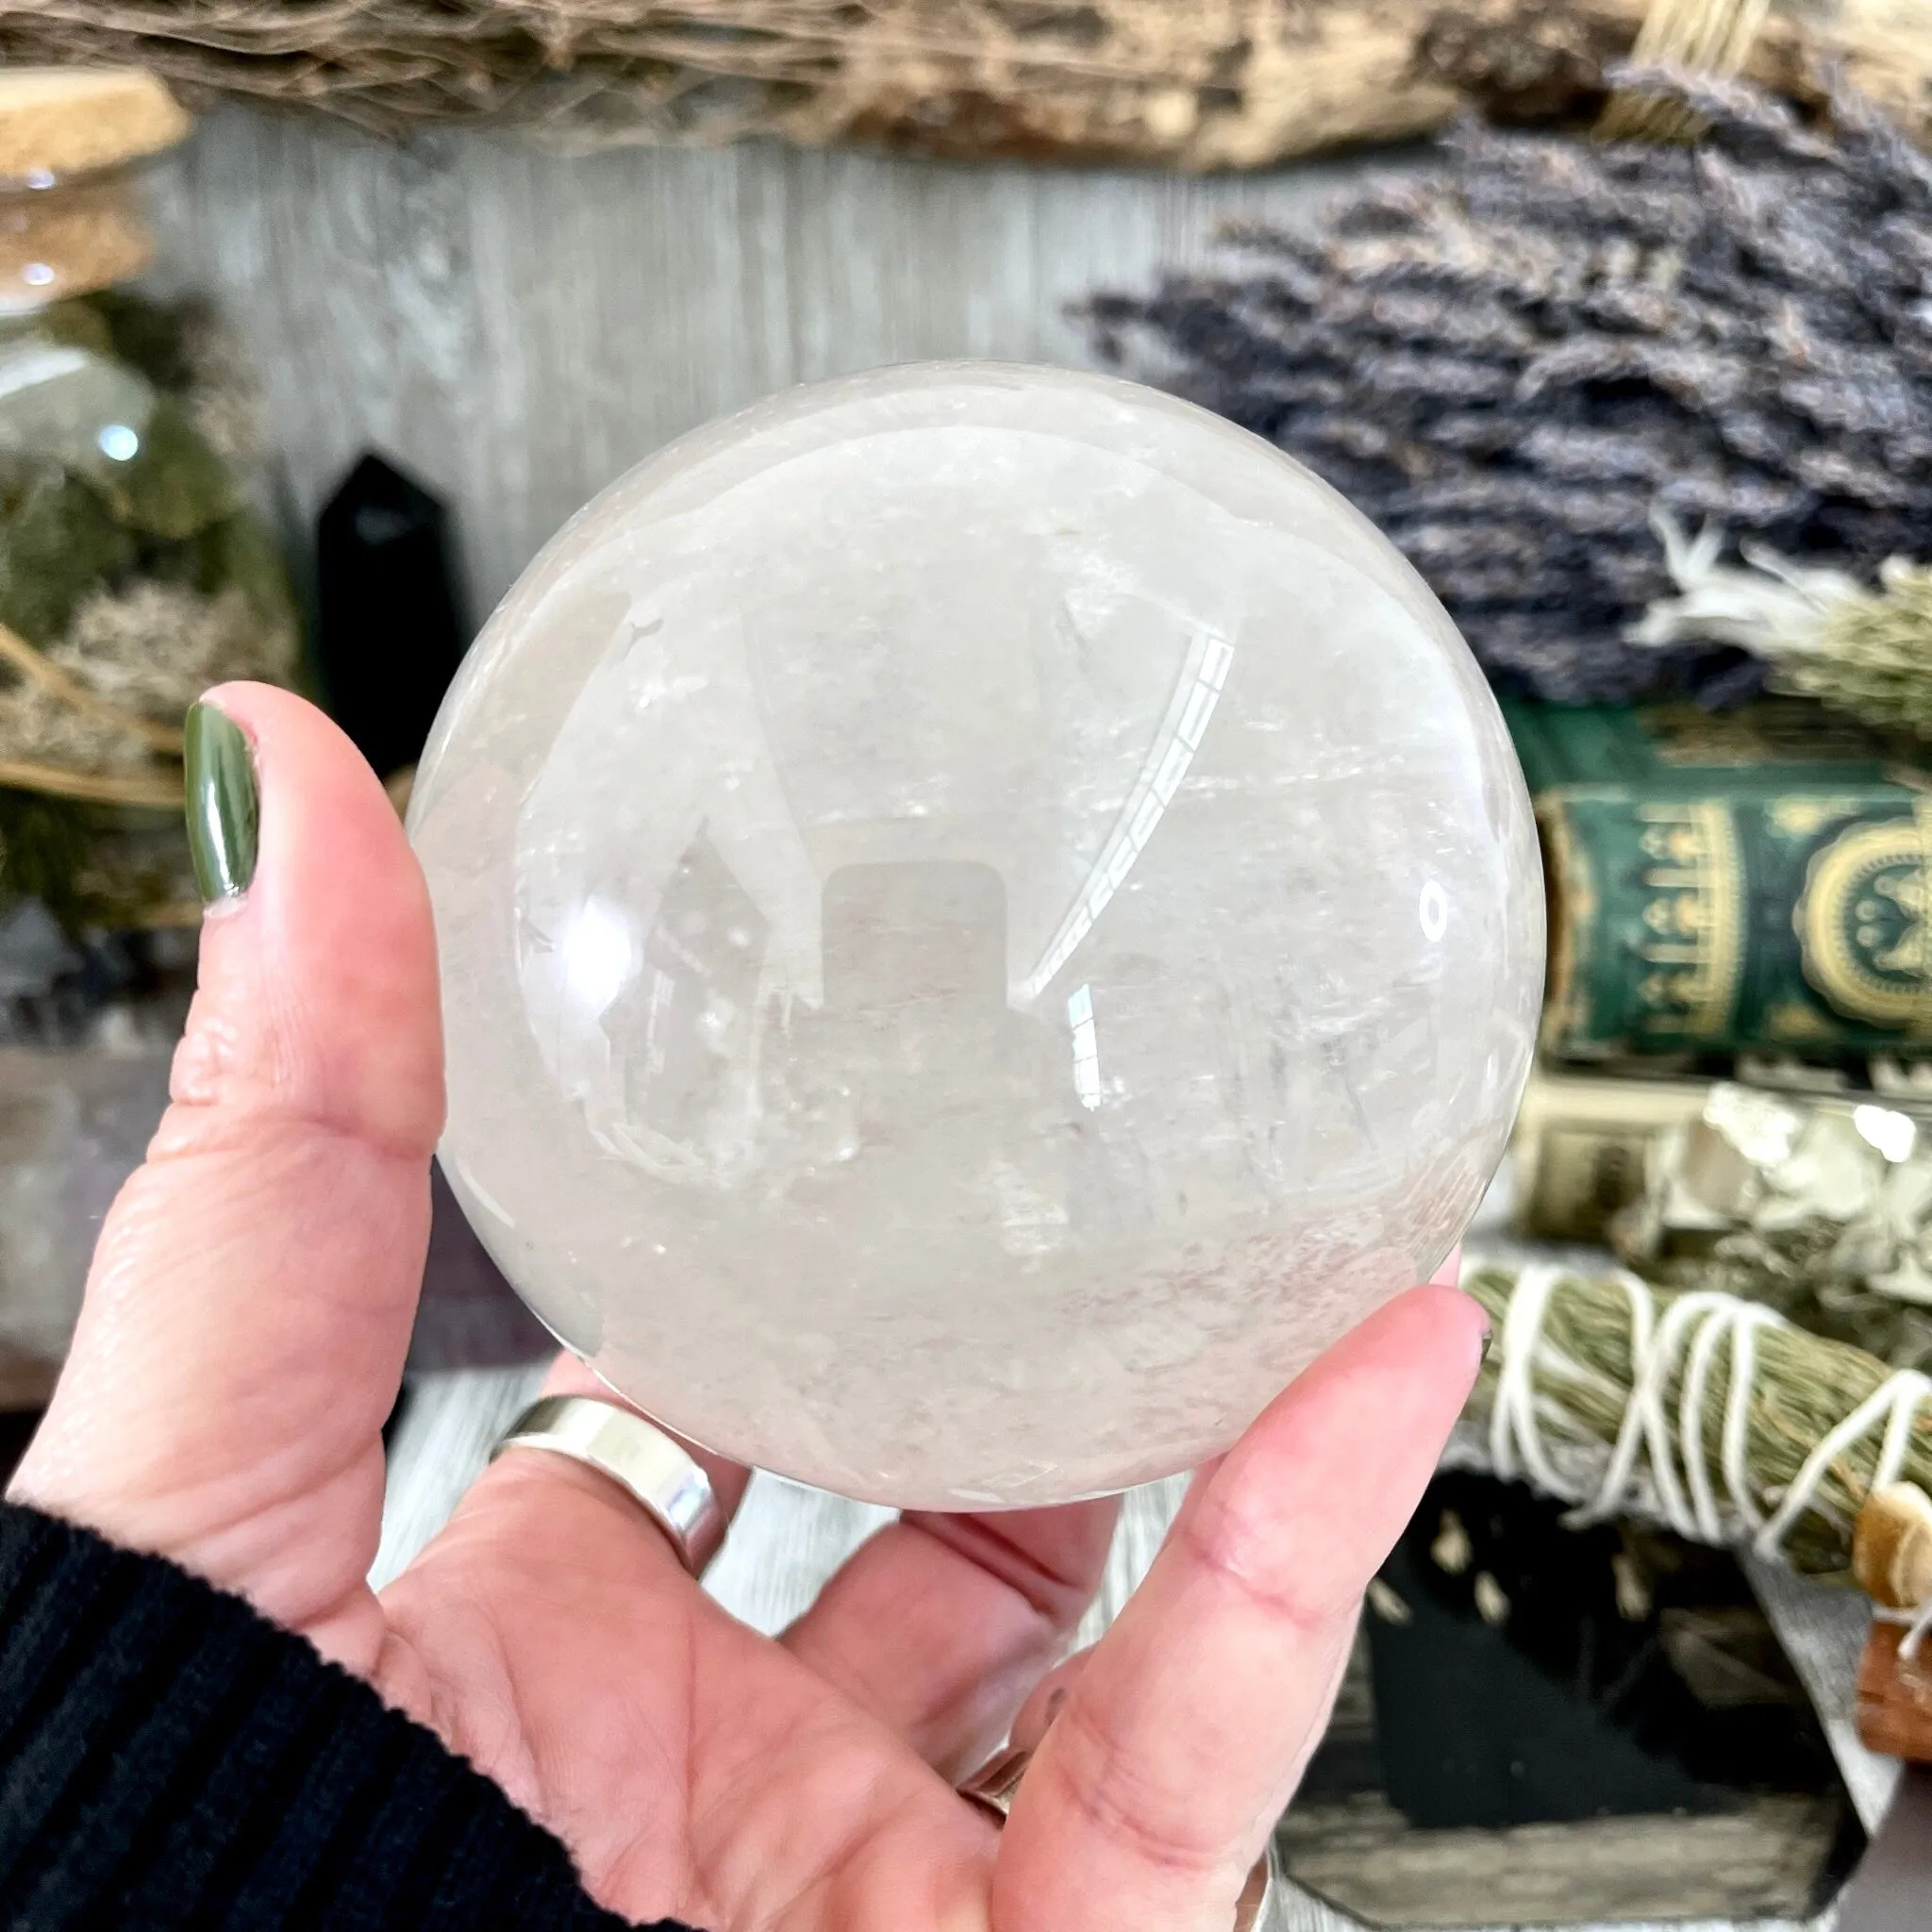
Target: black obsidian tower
x=392 y=626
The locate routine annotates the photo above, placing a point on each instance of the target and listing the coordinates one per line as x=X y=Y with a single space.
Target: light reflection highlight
x=599 y=953
x=1196 y=694
x=1086 y=1047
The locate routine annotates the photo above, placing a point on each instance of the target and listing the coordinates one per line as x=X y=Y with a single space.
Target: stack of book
x=1741 y=896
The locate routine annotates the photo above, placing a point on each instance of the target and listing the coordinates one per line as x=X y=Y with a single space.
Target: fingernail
x=222 y=803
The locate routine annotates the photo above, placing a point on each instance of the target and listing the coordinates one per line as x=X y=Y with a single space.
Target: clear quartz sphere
x=987 y=917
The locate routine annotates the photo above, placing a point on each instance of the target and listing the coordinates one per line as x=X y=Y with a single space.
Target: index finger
x=1181 y=1741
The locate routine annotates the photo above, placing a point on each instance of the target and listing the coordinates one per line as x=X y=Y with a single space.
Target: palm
x=694 y=1766
x=551 y=1638
x=239 y=1348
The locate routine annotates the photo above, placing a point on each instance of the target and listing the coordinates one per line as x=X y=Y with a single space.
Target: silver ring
x=994 y=1785
x=638 y=1457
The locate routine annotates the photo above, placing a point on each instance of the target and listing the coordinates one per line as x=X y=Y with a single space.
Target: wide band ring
x=994 y=1785
x=643 y=1461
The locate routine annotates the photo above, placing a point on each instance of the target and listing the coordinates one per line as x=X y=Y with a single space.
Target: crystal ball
x=986 y=918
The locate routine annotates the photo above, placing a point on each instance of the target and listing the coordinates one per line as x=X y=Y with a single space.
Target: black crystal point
x=392 y=631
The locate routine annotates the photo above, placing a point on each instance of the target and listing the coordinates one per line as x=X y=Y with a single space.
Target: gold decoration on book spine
x=1865 y=922
x=1572 y=894
x=1697 y=948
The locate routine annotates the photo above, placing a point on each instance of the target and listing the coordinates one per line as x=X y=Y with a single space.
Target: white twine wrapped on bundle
x=1703 y=1411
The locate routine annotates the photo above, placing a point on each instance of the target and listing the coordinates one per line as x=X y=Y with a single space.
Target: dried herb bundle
x=1822 y=634
x=1803 y=1387
x=1508 y=361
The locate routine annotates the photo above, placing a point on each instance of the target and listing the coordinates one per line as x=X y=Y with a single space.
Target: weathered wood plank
x=519 y=328
x=1190 y=83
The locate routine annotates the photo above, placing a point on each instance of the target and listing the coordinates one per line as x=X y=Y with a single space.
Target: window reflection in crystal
x=1195 y=695
x=1086 y=1047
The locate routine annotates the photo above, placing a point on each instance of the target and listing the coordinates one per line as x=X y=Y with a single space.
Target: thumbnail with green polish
x=222 y=803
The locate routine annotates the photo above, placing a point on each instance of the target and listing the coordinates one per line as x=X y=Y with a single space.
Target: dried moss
x=144 y=580
x=1875 y=659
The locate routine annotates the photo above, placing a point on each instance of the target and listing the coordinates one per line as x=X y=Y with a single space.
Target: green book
x=1776 y=741
x=1757 y=880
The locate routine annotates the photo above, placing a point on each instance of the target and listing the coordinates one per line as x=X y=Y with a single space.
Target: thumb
x=242 y=1334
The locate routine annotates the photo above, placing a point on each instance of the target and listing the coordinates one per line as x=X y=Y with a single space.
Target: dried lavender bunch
x=1508 y=361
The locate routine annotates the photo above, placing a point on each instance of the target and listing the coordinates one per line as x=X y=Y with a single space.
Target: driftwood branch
x=1187 y=83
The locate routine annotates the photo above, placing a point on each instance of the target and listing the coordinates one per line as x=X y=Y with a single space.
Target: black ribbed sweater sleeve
x=169 y=1759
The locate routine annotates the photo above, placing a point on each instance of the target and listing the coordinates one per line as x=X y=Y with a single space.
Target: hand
x=241 y=1346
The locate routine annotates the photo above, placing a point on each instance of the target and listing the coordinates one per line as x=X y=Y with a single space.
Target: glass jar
x=64 y=235
x=133 y=573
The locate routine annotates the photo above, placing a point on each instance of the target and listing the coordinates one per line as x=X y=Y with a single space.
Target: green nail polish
x=223 y=805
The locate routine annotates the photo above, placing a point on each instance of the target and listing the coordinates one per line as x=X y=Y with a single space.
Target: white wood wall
x=518 y=328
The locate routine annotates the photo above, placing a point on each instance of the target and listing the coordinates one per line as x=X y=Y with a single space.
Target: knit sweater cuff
x=169 y=1759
